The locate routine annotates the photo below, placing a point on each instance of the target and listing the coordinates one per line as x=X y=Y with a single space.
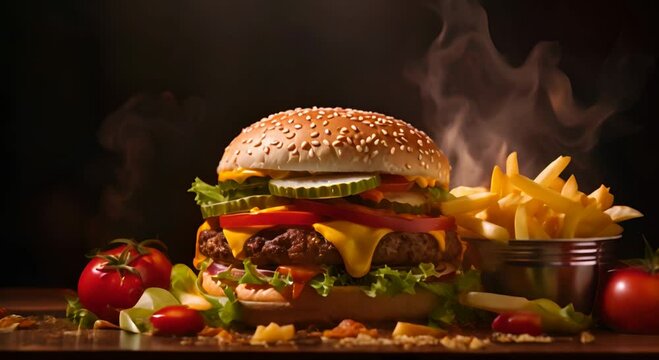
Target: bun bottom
x=259 y=307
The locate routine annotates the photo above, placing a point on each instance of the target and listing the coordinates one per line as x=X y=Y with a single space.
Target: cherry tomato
x=177 y=320
x=630 y=301
x=270 y=218
x=518 y=323
x=115 y=279
x=370 y=217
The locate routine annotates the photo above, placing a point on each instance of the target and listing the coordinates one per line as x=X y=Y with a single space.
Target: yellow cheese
x=440 y=235
x=356 y=243
x=240 y=174
x=236 y=238
x=198 y=257
x=422 y=181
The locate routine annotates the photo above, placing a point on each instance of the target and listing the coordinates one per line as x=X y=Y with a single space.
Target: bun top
x=336 y=140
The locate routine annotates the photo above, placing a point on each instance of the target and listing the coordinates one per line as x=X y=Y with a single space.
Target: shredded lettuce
x=438 y=194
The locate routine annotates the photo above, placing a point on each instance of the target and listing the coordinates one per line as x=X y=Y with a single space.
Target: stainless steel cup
x=563 y=270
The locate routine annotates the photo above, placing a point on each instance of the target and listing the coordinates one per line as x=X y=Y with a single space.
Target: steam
x=479 y=107
x=145 y=128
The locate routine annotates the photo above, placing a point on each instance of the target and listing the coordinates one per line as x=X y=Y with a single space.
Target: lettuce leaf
x=78 y=315
x=206 y=194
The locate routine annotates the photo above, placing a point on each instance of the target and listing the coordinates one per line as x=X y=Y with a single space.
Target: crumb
x=522 y=338
x=586 y=337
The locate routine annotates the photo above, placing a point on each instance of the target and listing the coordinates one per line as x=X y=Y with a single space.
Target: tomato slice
x=299 y=273
x=373 y=195
x=302 y=218
x=394 y=183
x=372 y=218
x=297 y=289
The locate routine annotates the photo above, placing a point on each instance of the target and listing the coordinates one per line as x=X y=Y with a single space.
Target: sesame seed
x=314 y=134
x=298 y=126
x=308 y=117
x=313 y=125
x=340 y=138
x=325 y=122
x=315 y=142
x=377 y=141
x=290 y=136
x=420 y=142
x=393 y=150
x=362 y=142
x=384 y=132
x=326 y=142
x=420 y=157
x=409 y=149
x=249 y=141
x=290 y=121
x=237 y=152
x=423 y=163
x=311 y=153
x=291 y=147
x=395 y=134
x=321 y=112
x=398 y=141
x=404 y=139
x=337 y=143
x=359 y=148
x=257 y=144
x=349 y=140
x=274 y=142
x=249 y=151
x=328 y=132
x=286 y=131
x=354 y=128
x=305 y=145
x=402 y=148
x=295 y=153
x=374 y=153
x=266 y=150
x=344 y=130
x=408 y=166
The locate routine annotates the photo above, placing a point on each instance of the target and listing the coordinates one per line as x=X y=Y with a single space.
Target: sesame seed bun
x=336 y=140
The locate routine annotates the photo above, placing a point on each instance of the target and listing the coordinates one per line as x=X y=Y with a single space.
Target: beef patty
x=305 y=246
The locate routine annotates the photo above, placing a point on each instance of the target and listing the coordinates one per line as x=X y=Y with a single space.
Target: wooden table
x=99 y=344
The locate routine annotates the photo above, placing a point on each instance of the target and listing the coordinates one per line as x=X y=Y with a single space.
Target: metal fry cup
x=563 y=270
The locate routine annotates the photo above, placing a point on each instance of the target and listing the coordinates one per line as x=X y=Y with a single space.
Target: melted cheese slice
x=236 y=238
x=198 y=257
x=356 y=243
x=240 y=175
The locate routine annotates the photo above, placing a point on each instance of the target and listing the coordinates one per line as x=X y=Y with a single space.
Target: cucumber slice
x=242 y=204
x=323 y=186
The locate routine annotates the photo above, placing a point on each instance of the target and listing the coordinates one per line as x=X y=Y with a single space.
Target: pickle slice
x=242 y=204
x=323 y=186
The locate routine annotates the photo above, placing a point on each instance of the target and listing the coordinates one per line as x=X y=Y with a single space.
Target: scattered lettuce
x=136 y=319
x=184 y=287
x=79 y=315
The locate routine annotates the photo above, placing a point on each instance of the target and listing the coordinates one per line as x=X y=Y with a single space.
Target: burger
x=325 y=214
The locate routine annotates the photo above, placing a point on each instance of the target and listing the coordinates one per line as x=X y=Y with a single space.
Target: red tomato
x=394 y=183
x=518 y=323
x=106 y=292
x=299 y=273
x=630 y=301
x=269 y=218
x=116 y=278
x=369 y=217
x=177 y=320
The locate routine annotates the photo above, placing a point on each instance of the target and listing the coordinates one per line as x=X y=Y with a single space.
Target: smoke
x=479 y=107
x=142 y=132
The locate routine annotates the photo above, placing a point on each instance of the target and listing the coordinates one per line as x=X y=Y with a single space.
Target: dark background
x=83 y=167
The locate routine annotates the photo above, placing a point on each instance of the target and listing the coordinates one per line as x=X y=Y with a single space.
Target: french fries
x=545 y=207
